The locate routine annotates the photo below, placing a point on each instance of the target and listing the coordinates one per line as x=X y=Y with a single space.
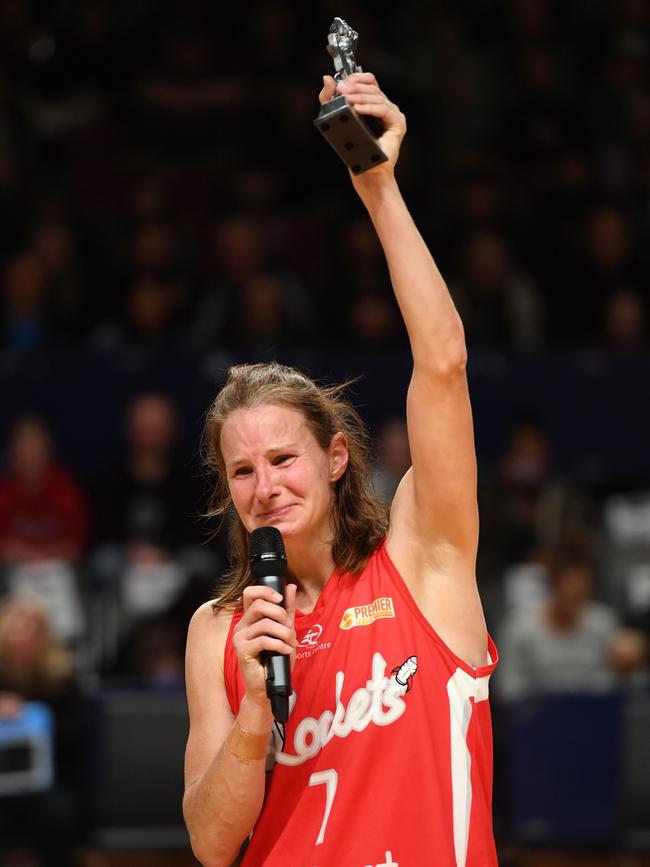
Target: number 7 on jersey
x=331 y=779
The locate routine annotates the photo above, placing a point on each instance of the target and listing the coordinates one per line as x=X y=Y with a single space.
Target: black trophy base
x=349 y=135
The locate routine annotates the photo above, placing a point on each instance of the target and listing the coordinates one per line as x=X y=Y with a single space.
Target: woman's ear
x=338 y=456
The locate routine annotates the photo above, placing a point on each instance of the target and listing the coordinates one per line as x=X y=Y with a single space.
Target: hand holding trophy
x=346 y=98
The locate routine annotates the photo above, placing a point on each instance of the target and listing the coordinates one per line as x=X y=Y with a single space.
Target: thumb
x=329 y=89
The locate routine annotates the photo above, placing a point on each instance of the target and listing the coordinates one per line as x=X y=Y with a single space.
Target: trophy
x=347 y=132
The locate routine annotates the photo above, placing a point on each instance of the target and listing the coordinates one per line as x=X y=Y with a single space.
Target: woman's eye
x=243 y=471
x=281 y=459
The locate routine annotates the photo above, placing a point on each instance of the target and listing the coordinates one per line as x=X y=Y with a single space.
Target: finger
x=262 y=608
x=329 y=89
x=248 y=642
x=362 y=78
x=348 y=86
x=356 y=98
x=388 y=110
x=268 y=627
x=378 y=98
x=380 y=110
x=266 y=642
x=254 y=592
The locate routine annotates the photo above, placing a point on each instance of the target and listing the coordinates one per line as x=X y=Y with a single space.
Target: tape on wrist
x=245 y=746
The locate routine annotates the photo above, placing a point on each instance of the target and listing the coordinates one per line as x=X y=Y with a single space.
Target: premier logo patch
x=364 y=615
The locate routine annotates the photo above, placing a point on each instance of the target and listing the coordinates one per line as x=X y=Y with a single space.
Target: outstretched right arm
x=225 y=759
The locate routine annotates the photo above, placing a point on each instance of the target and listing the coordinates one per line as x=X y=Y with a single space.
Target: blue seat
x=563 y=770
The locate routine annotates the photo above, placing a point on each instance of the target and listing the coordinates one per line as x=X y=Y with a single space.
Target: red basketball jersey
x=387 y=755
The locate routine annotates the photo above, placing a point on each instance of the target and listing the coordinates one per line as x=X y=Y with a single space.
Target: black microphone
x=269 y=568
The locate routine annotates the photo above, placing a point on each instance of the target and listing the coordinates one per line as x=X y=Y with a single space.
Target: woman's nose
x=265 y=486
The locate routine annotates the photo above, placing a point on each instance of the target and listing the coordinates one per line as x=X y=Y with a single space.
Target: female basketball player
x=386 y=757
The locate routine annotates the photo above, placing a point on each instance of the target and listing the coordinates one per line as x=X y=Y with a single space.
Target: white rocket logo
x=404 y=673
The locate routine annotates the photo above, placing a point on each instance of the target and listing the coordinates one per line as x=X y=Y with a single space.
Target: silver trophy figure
x=344 y=129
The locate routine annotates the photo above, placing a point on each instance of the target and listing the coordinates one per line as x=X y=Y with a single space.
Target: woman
x=386 y=758
x=34 y=666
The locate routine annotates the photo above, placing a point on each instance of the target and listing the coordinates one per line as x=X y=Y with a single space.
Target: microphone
x=269 y=567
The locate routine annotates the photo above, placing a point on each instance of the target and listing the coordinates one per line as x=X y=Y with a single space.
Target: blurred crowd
x=162 y=180
x=162 y=186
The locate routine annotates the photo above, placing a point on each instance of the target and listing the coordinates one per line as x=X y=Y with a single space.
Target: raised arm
x=434 y=517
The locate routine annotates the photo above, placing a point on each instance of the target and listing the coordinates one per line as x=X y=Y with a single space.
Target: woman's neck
x=310 y=567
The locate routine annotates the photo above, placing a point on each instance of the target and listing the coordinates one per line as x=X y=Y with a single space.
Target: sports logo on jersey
x=311 y=643
x=310 y=638
x=364 y=615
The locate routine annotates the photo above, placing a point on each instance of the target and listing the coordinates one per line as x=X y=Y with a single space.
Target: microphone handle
x=278 y=666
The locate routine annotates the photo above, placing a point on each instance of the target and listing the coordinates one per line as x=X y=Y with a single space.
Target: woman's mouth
x=275 y=514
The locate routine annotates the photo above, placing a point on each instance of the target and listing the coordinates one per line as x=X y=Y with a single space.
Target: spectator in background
x=571 y=644
x=154 y=249
x=147 y=541
x=143 y=502
x=393 y=457
x=606 y=260
x=241 y=278
x=156 y=274
x=609 y=249
x=34 y=666
x=372 y=317
x=43 y=527
x=625 y=320
x=43 y=512
x=237 y=251
x=514 y=504
x=363 y=265
x=24 y=317
x=190 y=90
x=498 y=303
x=512 y=500
x=361 y=287
x=56 y=251
x=150 y=315
x=268 y=311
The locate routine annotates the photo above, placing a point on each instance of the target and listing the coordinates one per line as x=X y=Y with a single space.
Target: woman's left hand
x=363 y=92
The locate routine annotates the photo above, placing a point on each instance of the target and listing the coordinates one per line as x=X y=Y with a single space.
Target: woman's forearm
x=433 y=324
x=222 y=806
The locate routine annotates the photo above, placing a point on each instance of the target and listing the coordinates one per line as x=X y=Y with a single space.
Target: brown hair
x=359 y=515
x=50 y=668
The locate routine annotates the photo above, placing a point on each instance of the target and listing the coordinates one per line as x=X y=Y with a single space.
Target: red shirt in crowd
x=44 y=521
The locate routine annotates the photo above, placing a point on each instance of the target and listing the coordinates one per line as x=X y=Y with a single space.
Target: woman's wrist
x=245 y=746
x=255 y=717
x=249 y=738
x=375 y=186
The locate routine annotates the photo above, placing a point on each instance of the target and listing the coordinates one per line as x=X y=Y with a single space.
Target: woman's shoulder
x=208 y=629
x=212 y=617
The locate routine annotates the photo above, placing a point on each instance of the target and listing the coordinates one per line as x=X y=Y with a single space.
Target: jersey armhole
x=230 y=667
x=492 y=653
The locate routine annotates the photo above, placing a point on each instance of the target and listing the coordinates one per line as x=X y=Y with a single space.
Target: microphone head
x=266 y=544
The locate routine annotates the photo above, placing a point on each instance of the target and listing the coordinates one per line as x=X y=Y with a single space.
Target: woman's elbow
x=455 y=359
x=211 y=854
x=444 y=354
x=208 y=844
x=456 y=346
x=446 y=361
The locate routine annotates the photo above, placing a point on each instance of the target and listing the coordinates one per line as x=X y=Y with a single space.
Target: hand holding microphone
x=265 y=637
